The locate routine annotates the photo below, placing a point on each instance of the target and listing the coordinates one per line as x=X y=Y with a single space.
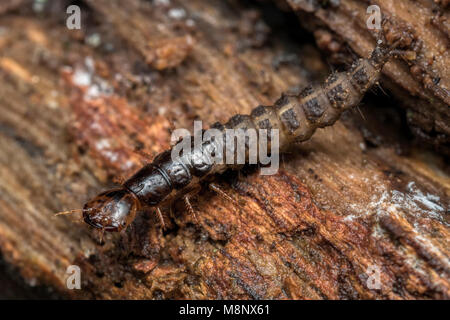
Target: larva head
x=111 y=210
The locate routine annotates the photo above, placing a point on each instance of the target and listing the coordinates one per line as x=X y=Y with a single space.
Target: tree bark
x=83 y=108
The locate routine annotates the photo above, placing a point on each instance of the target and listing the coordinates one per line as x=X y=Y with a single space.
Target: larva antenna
x=78 y=217
x=61 y=213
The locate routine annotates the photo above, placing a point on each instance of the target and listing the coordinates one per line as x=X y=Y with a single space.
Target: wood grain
x=76 y=115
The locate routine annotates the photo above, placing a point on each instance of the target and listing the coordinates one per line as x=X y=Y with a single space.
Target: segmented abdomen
x=295 y=116
x=298 y=116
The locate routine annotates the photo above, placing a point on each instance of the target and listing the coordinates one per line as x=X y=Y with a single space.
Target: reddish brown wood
x=75 y=117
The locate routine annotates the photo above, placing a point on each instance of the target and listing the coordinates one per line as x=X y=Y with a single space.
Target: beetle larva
x=296 y=116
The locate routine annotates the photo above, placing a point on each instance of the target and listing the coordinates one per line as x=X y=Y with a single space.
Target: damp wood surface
x=82 y=110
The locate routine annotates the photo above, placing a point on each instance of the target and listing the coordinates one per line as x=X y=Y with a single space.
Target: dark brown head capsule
x=111 y=210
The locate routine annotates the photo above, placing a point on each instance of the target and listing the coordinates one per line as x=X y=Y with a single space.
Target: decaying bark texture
x=83 y=108
x=422 y=85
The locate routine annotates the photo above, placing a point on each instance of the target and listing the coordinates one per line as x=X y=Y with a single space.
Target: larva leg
x=190 y=208
x=181 y=196
x=220 y=192
x=161 y=218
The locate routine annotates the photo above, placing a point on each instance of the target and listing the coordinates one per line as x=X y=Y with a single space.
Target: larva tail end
x=382 y=52
x=390 y=40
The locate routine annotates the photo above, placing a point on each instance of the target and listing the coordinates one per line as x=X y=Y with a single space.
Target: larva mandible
x=295 y=116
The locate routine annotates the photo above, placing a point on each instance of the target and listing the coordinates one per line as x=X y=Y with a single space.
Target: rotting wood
x=74 y=117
